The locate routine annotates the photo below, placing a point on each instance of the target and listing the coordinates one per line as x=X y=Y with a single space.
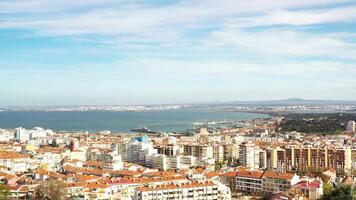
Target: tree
x=218 y=165
x=327 y=189
x=4 y=192
x=342 y=192
x=51 y=190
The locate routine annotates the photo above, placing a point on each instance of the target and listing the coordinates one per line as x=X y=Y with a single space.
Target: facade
x=199 y=151
x=351 y=126
x=273 y=182
x=15 y=162
x=137 y=151
x=249 y=155
x=292 y=158
x=168 y=150
x=160 y=161
x=193 y=190
x=249 y=182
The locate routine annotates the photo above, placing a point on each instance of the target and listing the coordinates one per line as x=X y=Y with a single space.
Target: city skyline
x=139 y=52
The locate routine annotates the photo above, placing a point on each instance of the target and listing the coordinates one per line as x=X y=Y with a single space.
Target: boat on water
x=143 y=130
x=209 y=123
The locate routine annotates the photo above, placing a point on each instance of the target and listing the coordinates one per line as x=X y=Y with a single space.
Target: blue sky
x=144 y=52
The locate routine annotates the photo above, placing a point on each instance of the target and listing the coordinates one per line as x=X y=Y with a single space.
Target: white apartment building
x=351 y=126
x=193 y=190
x=22 y=135
x=174 y=162
x=143 y=153
x=136 y=151
x=187 y=161
x=273 y=182
x=249 y=182
x=249 y=155
x=160 y=161
x=15 y=162
x=6 y=136
x=115 y=164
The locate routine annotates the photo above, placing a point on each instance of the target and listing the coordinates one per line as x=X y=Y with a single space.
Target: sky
x=159 y=51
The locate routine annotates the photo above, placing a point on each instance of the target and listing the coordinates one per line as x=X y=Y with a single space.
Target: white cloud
x=99 y=18
x=299 y=17
x=276 y=42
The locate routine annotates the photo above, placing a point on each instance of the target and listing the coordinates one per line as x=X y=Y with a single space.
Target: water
x=177 y=120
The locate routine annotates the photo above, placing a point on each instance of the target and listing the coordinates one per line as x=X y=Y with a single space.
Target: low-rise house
x=15 y=162
x=312 y=188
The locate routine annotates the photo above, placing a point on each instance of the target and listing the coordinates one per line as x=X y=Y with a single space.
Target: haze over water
x=118 y=121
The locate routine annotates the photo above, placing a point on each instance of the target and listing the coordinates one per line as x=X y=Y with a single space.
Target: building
x=138 y=149
x=193 y=190
x=312 y=188
x=22 y=135
x=229 y=179
x=249 y=155
x=168 y=150
x=160 y=161
x=292 y=158
x=273 y=182
x=249 y=181
x=174 y=162
x=199 y=151
x=15 y=162
x=351 y=126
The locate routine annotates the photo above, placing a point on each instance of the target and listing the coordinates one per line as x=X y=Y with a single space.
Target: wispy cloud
x=186 y=41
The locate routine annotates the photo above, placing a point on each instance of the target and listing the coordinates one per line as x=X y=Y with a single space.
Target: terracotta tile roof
x=9 y=155
x=84 y=178
x=211 y=174
x=127 y=173
x=199 y=170
x=230 y=174
x=146 y=180
x=93 y=164
x=276 y=175
x=250 y=174
x=161 y=174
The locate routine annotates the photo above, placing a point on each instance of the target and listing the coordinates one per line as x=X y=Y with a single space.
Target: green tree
x=51 y=190
x=4 y=192
x=218 y=165
x=342 y=192
x=327 y=189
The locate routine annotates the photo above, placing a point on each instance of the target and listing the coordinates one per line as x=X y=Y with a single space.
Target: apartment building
x=15 y=162
x=293 y=158
x=248 y=181
x=249 y=155
x=273 y=182
x=193 y=190
x=199 y=151
x=168 y=150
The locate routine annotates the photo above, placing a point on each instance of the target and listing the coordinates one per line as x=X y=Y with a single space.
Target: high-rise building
x=351 y=126
x=293 y=158
x=249 y=155
x=160 y=161
x=22 y=134
x=138 y=149
x=199 y=151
